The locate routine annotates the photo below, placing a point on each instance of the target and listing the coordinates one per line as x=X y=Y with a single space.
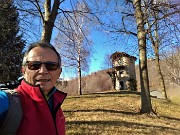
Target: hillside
x=96 y=82
x=100 y=81
x=173 y=90
x=117 y=113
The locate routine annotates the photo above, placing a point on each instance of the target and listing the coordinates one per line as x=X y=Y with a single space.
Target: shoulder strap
x=14 y=115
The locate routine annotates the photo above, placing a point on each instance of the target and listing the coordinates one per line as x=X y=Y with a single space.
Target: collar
x=51 y=92
x=36 y=94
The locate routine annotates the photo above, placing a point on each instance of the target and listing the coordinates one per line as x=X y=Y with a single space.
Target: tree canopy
x=11 y=44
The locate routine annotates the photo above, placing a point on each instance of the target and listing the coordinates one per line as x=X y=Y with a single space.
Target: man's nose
x=43 y=69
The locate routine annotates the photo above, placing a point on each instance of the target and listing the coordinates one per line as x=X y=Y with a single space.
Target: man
x=40 y=100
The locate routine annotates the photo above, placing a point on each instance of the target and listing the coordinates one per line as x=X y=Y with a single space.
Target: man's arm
x=4 y=103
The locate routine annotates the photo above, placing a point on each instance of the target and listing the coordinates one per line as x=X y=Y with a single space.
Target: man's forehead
x=37 y=57
x=42 y=54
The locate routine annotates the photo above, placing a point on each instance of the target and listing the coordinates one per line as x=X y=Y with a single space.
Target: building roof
x=121 y=54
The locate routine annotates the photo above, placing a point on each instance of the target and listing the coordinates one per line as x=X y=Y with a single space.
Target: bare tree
x=39 y=18
x=107 y=63
x=46 y=11
x=150 y=12
x=172 y=61
x=146 y=106
x=158 y=15
x=142 y=11
x=133 y=12
x=76 y=41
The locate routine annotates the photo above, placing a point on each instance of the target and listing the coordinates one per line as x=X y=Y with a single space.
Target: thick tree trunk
x=47 y=32
x=146 y=106
x=48 y=19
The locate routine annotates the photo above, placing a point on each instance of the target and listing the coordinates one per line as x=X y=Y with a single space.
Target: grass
x=117 y=113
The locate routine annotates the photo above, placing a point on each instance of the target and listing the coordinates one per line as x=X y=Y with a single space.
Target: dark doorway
x=121 y=85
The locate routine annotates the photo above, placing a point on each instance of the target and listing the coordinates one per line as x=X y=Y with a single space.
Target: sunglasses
x=35 y=65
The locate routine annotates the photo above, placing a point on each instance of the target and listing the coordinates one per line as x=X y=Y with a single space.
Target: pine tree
x=11 y=43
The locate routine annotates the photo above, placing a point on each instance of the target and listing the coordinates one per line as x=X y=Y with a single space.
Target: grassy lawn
x=116 y=113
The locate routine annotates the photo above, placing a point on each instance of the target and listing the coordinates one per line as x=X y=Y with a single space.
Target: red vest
x=37 y=118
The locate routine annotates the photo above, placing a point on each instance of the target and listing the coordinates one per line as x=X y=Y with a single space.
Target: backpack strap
x=14 y=115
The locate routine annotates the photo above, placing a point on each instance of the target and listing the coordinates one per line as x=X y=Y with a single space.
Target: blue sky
x=101 y=46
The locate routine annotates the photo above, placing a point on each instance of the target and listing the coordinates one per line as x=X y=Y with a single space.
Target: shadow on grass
x=170 y=118
x=106 y=94
x=104 y=110
x=120 y=92
x=122 y=124
x=117 y=111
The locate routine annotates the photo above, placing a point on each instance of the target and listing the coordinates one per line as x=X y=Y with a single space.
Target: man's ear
x=23 y=70
x=60 y=71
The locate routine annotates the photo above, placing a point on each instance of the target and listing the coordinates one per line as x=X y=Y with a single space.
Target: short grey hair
x=43 y=45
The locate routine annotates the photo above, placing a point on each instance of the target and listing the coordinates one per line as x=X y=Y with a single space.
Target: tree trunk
x=79 y=71
x=155 y=45
x=49 y=19
x=146 y=106
x=156 y=51
x=47 y=32
x=161 y=78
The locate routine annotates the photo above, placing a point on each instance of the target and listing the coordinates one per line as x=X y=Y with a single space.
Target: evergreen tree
x=11 y=43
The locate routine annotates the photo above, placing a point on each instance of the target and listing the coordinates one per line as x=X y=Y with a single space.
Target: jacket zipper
x=54 y=118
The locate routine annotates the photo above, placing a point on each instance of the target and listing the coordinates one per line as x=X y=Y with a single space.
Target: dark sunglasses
x=35 y=65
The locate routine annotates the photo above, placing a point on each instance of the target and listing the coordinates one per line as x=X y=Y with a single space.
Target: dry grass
x=117 y=113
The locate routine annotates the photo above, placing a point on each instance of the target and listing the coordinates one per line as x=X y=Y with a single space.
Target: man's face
x=41 y=76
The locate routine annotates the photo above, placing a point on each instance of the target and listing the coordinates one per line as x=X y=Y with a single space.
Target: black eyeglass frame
x=36 y=65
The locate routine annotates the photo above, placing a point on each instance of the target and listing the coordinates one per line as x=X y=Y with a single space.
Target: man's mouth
x=43 y=80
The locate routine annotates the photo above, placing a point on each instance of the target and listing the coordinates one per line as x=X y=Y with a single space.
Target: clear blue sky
x=101 y=46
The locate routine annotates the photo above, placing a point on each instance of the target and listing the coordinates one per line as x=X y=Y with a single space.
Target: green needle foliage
x=11 y=44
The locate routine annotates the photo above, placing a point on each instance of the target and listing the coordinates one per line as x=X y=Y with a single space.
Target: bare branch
x=39 y=9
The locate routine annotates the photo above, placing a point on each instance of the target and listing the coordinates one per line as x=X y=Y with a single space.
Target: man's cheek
x=30 y=79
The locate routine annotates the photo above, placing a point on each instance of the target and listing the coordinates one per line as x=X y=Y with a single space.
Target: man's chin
x=45 y=89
